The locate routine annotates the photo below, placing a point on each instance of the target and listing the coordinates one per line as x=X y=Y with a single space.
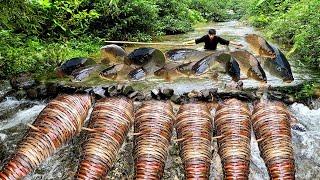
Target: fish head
x=110 y=72
x=161 y=72
x=185 y=68
x=233 y=69
x=285 y=74
x=260 y=46
x=200 y=67
x=137 y=74
x=257 y=73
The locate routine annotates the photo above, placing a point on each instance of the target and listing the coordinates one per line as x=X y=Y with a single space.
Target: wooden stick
x=33 y=127
x=148 y=43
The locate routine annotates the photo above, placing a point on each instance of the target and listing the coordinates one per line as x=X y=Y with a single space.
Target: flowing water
x=15 y=114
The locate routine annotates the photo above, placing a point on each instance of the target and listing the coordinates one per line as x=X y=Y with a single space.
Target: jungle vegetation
x=38 y=35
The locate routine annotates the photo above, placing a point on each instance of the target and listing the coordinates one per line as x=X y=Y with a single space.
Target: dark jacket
x=211 y=44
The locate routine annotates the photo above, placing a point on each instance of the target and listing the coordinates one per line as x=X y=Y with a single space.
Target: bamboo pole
x=148 y=43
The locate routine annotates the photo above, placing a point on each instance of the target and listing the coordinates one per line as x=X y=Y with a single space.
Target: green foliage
x=293 y=22
x=20 y=54
x=309 y=89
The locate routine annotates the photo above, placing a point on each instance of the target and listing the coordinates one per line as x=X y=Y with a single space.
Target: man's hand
x=237 y=45
x=191 y=42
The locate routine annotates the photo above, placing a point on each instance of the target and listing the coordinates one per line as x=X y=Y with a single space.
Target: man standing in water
x=211 y=41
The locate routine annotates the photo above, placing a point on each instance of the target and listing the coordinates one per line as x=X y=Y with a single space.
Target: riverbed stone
x=22 y=81
x=52 y=89
x=175 y=99
x=166 y=93
x=20 y=94
x=127 y=90
x=98 y=92
x=32 y=93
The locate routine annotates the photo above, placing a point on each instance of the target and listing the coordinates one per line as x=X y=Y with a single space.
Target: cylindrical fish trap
x=271 y=125
x=194 y=131
x=233 y=130
x=153 y=130
x=57 y=123
x=110 y=122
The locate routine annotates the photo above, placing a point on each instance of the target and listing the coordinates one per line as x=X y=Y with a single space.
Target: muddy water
x=15 y=114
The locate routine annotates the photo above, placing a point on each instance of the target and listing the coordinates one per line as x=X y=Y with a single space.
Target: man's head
x=211 y=33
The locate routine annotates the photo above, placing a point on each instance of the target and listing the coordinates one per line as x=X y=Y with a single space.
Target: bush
x=293 y=22
x=20 y=54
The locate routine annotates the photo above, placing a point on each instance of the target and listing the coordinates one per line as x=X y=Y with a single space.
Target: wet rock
x=243 y=96
x=133 y=94
x=61 y=88
x=7 y=94
x=176 y=99
x=127 y=90
x=299 y=127
x=166 y=93
x=84 y=72
x=98 y=92
x=112 y=91
x=52 y=89
x=139 y=97
x=155 y=93
x=69 y=66
x=32 y=93
x=42 y=91
x=208 y=94
x=22 y=81
x=120 y=88
x=20 y=94
x=2 y=151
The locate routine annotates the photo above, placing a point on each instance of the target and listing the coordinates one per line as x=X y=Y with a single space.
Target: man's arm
x=197 y=41
x=226 y=42
x=200 y=40
x=239 y=45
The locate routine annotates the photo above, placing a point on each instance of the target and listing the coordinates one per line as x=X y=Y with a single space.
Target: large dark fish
x=148 y=61
x=233 y=69
x=184 y=54
x=111 y=72
x=260 y=46
x=146 y=56
x=217 y=61
x=82 y=73
x=279 y=66
x=230 y=65
x=137 y=74
x=74 y=63
x=249 y=65
x=169 y=71
x=205 y=64
x=112 y=54
x=186 y=68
